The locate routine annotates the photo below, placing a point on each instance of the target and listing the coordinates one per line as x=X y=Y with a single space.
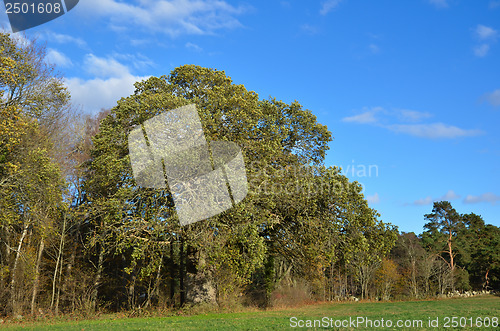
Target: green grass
x=482 y=306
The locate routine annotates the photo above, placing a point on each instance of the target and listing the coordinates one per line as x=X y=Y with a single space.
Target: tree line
x=78 y=235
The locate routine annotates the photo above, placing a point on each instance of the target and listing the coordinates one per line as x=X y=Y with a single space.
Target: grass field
x=477 y=310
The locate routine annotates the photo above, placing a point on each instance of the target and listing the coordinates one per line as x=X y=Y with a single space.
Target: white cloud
x=493 y=97
x=194 y=47
x=486 y=36
x=494 y=4
x=328 y=5
x=485 y=197
x=423 y=202
x=114 y=81
x=481 y=50
x=412 y=116
x=486 y=33
x=433 y=130
x=138 y=60
x=367 y=117
x=378 y=116
x=373 y=198
x=285 y=4
x=104 y=67
x=439 y=3
x=64 y=39
x=139 y=42
x=309 y=29
x=174 y=17
x=55 y=57
x=374 y=48
x=450 y=195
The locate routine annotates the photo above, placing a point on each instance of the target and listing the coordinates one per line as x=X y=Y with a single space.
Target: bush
x=291 y=295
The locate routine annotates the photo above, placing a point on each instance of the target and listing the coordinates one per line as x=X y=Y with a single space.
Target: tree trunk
x=97 y=279
x=59 y=288
x=269 y=279
x=131 y=291
x=5 y=249
x=450 y=251
x=4 y=254
x=13 y=294
x=69 y=278
x=156 y=285
x=172 y=273
x=181 y=272
x=58 y=262
x=486 y=280
x=414 y=284
x=36 y=282
x=452 y=263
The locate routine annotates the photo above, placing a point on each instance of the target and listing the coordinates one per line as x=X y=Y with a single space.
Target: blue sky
x=409 y=89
